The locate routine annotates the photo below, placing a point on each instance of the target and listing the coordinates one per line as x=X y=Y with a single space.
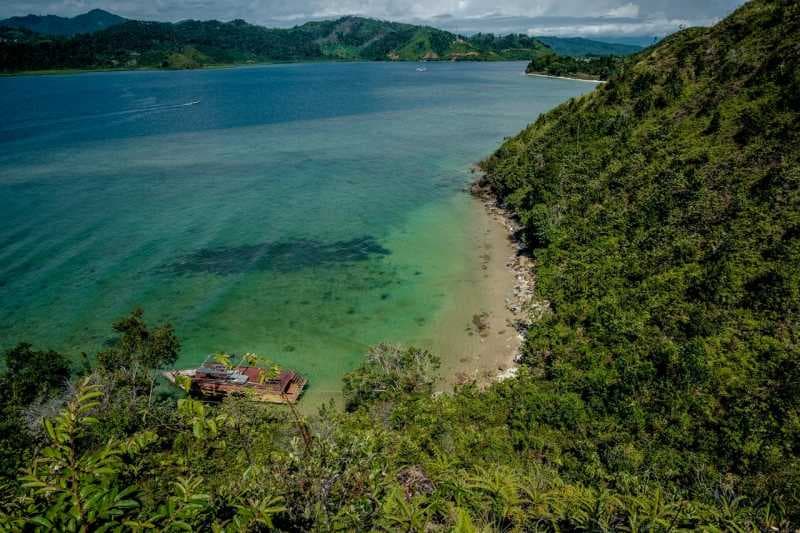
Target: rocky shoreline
x=522 y=304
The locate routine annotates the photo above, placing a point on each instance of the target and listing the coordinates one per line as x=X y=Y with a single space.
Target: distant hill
x=193 y=44
x=27 y=43
x=586 y=68
x=578 y=46
x=634 y=40
x=93 y=21
x=364 y=38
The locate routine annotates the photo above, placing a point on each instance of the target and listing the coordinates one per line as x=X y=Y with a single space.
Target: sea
x=303 y=212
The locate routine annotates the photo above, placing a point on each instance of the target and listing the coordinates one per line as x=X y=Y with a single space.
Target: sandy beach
x=480 y=335
x=563 y=78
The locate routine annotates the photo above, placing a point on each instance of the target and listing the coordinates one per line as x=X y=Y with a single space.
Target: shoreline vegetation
x=69 y=71
x=594 y=68
x=56 y=72
x=220 y=66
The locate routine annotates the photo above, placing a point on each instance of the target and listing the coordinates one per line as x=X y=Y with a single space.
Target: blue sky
x=586 y=18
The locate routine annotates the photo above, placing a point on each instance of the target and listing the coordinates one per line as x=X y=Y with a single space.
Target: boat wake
x=132 y=112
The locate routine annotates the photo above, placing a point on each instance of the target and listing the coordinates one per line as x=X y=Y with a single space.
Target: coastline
x=587 y=80
x=480 y=334
x=483 y=295
x=397 y=297
x=221 y=66
x=521 y=302
x=210 y=66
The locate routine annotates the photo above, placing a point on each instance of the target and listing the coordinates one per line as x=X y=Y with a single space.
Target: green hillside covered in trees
x=193 y=44
x=590 y=68
x=663 y=210
x=660 y=392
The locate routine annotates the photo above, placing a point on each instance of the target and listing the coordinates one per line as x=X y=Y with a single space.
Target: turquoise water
x=302 y=212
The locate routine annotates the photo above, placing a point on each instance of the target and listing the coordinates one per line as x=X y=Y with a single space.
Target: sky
x=572 y=18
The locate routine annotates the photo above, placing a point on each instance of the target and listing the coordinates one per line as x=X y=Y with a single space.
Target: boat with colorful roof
x=217 y=378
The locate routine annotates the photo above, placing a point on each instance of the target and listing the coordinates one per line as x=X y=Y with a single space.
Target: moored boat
x=216 y=380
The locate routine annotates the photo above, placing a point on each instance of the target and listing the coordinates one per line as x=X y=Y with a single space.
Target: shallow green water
x=303 y=212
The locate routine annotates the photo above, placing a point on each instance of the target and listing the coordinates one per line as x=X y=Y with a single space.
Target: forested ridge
x=591 y=68
x=193 y=44
x=659 y=392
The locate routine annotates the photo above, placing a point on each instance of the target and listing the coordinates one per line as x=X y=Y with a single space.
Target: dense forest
x=193 y=44
x=591 y=68
x=664 y=214
x=659 y=392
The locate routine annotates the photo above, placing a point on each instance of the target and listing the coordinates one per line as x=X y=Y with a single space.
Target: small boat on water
x=421 y=69
x=214 y=381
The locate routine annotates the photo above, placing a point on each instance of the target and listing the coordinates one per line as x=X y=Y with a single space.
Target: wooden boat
x=215 y=381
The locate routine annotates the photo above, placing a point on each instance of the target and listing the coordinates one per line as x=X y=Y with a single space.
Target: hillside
x=580 y=47
x=663 y=210
x=192 y=44
x=363 y=38
x=94 y=20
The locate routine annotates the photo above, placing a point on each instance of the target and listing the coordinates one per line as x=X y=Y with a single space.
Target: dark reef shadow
x=281 y=256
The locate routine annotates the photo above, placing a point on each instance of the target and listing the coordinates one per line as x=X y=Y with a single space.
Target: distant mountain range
x=98 y=19
x=578 y=47
x=93 y=21
x=99 y=39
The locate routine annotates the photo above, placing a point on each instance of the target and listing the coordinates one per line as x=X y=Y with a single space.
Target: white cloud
x=543 y=17
x=630 y=10
x=606 y=27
